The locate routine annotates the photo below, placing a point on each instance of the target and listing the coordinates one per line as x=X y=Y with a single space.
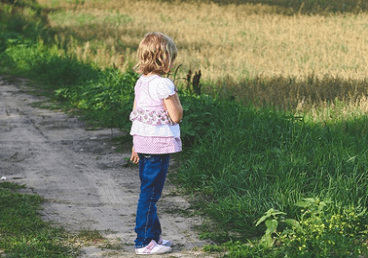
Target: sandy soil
x=86 y=183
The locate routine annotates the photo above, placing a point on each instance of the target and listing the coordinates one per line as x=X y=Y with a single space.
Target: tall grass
x=247 y=42
x=309 y=95
x=236 y=41
x=298 y=6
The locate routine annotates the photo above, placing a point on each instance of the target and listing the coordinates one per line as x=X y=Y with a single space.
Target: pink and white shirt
x=152 y=129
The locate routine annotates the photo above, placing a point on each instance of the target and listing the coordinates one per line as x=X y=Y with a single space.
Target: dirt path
x=86 y=183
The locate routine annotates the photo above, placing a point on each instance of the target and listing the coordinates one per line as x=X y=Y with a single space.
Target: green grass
x=256 y=159
x=240 y=161
x=23 y=233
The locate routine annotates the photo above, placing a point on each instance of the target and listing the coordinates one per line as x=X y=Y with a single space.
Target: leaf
x=305 y=202
x=292 y=223
x=270 y=213
x=271 y=225
x=263 y=218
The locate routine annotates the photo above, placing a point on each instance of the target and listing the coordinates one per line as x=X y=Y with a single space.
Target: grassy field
x=237 y=41
x=290 y=152
x=232 y=45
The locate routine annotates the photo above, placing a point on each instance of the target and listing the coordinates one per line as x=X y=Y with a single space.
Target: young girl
x=156 y=134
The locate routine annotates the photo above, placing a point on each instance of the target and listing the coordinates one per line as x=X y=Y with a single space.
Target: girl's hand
x=134 y=158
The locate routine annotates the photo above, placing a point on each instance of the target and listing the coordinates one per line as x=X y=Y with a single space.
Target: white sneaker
x=153 y=248
x=165 y=242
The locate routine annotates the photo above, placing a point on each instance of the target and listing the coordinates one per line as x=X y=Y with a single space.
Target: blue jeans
x=152 y=172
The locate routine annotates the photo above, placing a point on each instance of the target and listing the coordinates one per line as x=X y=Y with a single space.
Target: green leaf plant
x=271 y=218
x=323 y=230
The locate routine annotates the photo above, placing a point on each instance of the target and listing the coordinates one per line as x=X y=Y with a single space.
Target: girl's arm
x=174 y=108
x=134 y=158
x=134 y=105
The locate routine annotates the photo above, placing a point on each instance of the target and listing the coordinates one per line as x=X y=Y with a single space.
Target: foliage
x=198 y=117
x=271 y=222
x=321 y=231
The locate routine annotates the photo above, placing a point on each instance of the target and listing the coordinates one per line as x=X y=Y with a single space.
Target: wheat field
x=231 y=43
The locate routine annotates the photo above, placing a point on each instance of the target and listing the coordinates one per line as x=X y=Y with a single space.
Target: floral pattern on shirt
x=153 y=117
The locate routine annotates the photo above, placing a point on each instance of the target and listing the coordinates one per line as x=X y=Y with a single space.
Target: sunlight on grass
x=250 y=52
x=236 y=41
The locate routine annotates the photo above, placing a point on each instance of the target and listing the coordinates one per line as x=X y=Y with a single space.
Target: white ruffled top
x=150 y=117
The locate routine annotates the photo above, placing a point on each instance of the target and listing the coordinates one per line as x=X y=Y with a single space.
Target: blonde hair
x=156 y=53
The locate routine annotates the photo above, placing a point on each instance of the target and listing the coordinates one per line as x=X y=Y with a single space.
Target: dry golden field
x=230 y=44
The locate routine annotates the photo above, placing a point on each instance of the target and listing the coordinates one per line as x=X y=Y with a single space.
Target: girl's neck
x=149 y=74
